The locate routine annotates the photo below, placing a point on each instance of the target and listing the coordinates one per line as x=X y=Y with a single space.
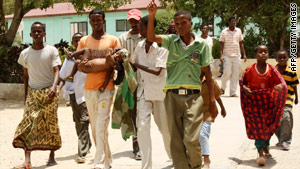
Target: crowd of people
x=174 y=83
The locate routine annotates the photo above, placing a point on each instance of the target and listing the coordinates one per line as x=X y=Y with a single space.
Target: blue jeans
x=204 y=137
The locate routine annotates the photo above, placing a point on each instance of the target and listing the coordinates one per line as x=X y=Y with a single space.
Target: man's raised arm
x=151 y=37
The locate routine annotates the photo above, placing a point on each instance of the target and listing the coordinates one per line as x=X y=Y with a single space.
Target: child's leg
x=107 y=78
x=266 y=149
x=204 y=141
x=260 y=145
x=73 y=72
x=284 y=132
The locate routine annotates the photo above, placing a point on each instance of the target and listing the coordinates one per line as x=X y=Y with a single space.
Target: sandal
x=268 y=155
x=51 y=163
x=267 y=152
x=24 y=166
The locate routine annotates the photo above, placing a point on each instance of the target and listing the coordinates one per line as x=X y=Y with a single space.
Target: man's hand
x=278 y=87
x=152 y=8
x=223 y=112
x=131 y=62
x=52 y=92
x=222 y=58
x=247 y=90
x=245 y=58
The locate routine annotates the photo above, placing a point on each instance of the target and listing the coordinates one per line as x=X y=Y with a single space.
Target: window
x=122 y=25
x=79 y=27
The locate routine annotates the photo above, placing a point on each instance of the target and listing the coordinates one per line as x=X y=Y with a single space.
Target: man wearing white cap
x=129 y=41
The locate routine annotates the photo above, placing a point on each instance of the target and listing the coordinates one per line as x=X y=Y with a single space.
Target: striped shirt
x=231 y=41
x=129 y=42
x=150 y=84
x=291 y=80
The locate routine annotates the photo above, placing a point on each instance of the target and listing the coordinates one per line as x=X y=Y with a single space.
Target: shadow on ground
x=270 y=162
x=10 y=104
x=123 y=154
x=168 y=167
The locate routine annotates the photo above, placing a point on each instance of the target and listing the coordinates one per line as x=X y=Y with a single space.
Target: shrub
x=164 y=19
x=10 y=70
x=216 y=49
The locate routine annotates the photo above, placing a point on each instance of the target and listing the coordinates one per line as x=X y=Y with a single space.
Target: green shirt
x=184 y=66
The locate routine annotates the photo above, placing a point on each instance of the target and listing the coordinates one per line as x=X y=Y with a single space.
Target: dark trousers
x=81 y=119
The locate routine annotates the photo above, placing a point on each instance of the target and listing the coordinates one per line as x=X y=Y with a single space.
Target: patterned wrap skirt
x=263 y=109
x=38 y=129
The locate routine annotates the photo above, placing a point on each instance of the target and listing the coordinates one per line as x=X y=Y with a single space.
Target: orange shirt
x=256 y=81
x=100 y=47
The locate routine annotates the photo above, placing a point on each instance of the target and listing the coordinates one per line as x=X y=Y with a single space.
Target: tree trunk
x=283 y=34
x=8 y=38
x=2 y=19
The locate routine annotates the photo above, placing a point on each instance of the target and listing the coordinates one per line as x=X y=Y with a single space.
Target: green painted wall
x=58 y=27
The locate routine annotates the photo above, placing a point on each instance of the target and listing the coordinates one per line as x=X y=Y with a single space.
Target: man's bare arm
x=243 y=51
x=95 y=65
x=154 y=71
x=151 y=37
x=221 y=51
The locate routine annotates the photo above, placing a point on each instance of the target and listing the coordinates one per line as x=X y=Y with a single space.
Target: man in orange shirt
x=99 y=44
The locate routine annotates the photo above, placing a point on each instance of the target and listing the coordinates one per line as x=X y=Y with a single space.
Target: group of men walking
x=167 y=67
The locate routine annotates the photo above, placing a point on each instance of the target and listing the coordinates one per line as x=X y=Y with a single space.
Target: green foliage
x=164 y=19
x=80 y=5
x=10 y=70
x=21 y=7
x=216 y=49
x=269 y=16
x=8 y=6
x=18 y=40
x=251 y=40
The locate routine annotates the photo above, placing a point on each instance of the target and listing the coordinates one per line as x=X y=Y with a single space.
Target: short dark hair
x=145 y=19
x=39 y=23
x=78 y=33
x=204 y=25
x=97 y=11
x=255 y=49
x=184 y=12
x=230 y=18
x=281 y=50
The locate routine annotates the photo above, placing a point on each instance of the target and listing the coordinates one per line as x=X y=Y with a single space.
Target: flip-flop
x=23 y=166
x=51 y=163
x=268 y=155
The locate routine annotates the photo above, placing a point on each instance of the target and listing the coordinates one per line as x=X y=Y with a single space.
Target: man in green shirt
x=188 y=56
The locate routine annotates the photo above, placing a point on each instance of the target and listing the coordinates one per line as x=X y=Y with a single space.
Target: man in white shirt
x=231 y=40
x=39 y=130
x=151 y=61
x=74 y=91
x=206 y=37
